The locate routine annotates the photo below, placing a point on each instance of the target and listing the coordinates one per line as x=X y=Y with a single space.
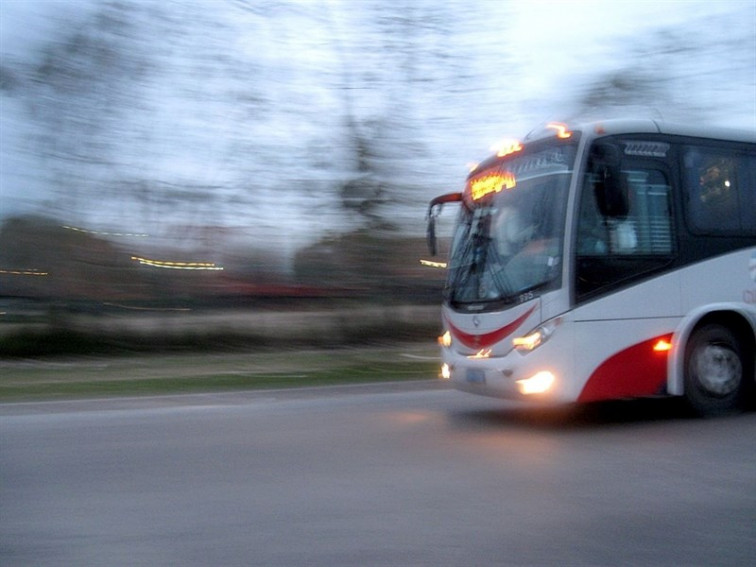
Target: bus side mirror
x=610 y=185
x=431 y=233
x=434 y=209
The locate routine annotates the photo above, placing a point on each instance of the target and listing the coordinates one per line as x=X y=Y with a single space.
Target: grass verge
x=161 y=374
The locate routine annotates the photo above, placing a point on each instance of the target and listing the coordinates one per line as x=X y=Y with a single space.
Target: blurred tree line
x=68 y=266
x=295 y=144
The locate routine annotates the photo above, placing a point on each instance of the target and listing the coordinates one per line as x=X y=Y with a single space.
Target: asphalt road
x=403 y=475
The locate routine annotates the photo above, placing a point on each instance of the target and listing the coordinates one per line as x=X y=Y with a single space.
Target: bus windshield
x=508 y=242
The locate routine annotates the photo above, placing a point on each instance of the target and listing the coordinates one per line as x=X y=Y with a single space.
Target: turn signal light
x=662 y=346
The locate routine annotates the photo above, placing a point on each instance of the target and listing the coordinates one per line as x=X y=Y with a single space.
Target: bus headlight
x=533 y=340
x=536 y=384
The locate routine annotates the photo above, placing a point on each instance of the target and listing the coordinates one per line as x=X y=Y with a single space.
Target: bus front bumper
x=510 y=377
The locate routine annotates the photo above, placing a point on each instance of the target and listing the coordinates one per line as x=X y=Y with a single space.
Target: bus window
x=719 y=192
x=748 y=196
x=650 y=216
x=613 y=250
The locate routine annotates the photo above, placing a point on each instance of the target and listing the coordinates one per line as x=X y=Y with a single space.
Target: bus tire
x=715 y=371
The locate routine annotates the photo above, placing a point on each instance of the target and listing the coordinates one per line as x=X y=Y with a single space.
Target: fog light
x=445 y=371
x=536 y=384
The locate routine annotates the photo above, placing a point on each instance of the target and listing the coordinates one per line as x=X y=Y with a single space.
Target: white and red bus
x=612 y=260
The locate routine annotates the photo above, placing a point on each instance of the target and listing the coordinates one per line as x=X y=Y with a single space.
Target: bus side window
x=713 y=185
x=615 y=250
x=748 y=195
x=650 y=216
x=645 y=229
x=593 y=234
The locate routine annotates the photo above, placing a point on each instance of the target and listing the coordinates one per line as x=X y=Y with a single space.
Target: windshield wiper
x=484 y=262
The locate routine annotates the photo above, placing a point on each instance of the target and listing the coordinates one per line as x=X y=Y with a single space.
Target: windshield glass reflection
x=510 y=242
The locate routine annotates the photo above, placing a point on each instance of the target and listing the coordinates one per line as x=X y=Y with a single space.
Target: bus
x=601 y=261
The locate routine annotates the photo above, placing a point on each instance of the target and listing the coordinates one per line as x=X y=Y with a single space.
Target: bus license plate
x=476 y=376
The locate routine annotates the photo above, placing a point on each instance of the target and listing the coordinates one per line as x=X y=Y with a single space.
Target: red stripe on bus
x=486 y=340
x=634 y=372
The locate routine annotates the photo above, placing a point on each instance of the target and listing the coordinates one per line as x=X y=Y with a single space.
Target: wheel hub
x=718 y=369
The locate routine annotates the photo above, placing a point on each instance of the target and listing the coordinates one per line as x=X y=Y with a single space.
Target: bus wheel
x=714 y=371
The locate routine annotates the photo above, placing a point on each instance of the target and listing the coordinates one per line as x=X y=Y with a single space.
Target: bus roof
x=615 y=126
x=639 y=126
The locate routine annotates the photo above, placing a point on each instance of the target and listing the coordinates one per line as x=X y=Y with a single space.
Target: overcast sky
x=527 y=62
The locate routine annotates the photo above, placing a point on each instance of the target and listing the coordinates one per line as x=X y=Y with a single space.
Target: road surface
x=402 y=475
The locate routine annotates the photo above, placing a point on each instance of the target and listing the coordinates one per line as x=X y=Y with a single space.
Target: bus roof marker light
x=506 y=147
x=561 y=129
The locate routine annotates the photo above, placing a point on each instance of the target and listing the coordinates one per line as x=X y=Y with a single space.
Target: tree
x=81 y=95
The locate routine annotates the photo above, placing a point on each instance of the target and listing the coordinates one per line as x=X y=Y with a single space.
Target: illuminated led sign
x=479 y=187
